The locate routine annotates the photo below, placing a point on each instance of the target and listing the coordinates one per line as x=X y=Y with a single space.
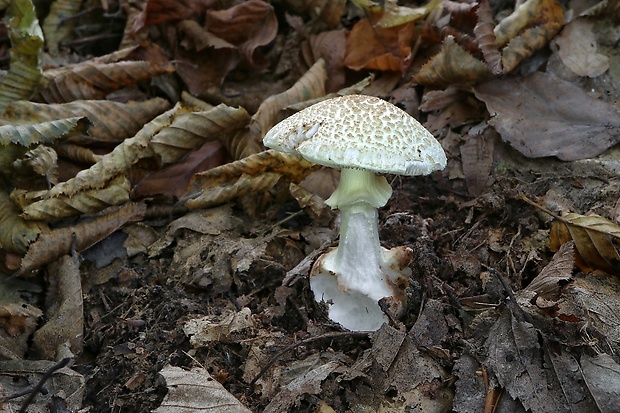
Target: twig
x=36 y=389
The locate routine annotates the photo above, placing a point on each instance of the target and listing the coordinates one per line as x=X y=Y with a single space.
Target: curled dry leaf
x=247 y=25
x=229 y=327
x=35 y=205
x=451 y=65
x=26 y=42
x=486 y=38
x=58 y=24
x=15 y=232
x=196 y=390
x=41 y=161
x=256 y=173
x=529 y=14
x=111 y=121
x=559 y=113
x=50 y=245
x=596 y=241
x=310 y=86
x=95 y=81
x=64 y=314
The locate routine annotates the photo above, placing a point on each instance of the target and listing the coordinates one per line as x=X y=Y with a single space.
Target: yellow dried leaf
x=529 y=14
x=256 y=173
x=596 y=239
x=451 y=65
x=36 y=207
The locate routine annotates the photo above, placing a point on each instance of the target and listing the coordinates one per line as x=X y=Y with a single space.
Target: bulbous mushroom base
x=355 y=305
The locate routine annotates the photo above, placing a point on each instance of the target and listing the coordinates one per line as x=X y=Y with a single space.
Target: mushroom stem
x=358 y=185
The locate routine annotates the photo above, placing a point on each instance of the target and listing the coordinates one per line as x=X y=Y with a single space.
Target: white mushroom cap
x=358 y=131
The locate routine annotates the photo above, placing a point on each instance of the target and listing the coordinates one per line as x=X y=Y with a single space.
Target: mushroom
x=361 y=135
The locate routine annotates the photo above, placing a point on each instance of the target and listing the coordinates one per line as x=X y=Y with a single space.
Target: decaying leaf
x=452 y=64
x=64 y=314
x=486 y=38
x=549 y=282
x=95 y=81
x=15 y=232
x=196 y=390
x=256 y=173
x=529 y=14
x=602 y=376
x=596 y=239
x=111 y=121
x=477 y=161
x=26 y=42
x=42 y=161
x=51 y=245
x=64 y=387
x=578 y=49
x=228 y=327
x=59 y=23
x=542 y=115
x=18 y=320
x=36 y=206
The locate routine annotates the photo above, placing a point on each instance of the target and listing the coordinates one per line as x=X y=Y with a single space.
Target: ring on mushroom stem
x=361 y=135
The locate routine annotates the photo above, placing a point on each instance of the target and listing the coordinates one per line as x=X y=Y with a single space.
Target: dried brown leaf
x=256 y=173
x=248 y=25
x=64 y=314
x=196 y=390
x=163 y=11
x=557 y=273
x=378 y=48
x=18 y=319
x=477 y=161
x=542 y=115
x=36 y=207
x=111 y=121
x=15 y=232
x=59 y=22
x=521 y=47
x=578 y=49
x=77 y=153
x=529 y=14
x=95 y=81
x=486 y=38
x=451 y=65
x=50 y=245
x=596 y=239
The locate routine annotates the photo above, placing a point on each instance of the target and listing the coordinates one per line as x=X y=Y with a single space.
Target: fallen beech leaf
x=50 y=245
x=557 y=273
x=542 y=115
x=26 y=42
x=256 y=173
x=578 y=49
x=486 y=38
x=15 y=232
x=111 y=121
x=247 y=25
x=595 y=239
x=96 y=80
x=41 y=160
x=35 y=205
x=329 y=46
x=525 y=45
x=452 y=64
x=59 y=23
x=378 y=48
x=310 y=86
x=77 y=153
x=196 y=390
x=529 y=14
x=64 y=313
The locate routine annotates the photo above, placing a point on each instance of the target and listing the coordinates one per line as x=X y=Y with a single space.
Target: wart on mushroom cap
x=362 y=135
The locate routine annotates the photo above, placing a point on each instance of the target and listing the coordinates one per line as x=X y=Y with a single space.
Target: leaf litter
x=164 y=242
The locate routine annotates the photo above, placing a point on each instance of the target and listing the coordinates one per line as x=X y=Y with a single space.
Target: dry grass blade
x=53 y=244
x=15 y=232
x=95 y=81
x=34 y=207
x=255 y=173
x=111 y=121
